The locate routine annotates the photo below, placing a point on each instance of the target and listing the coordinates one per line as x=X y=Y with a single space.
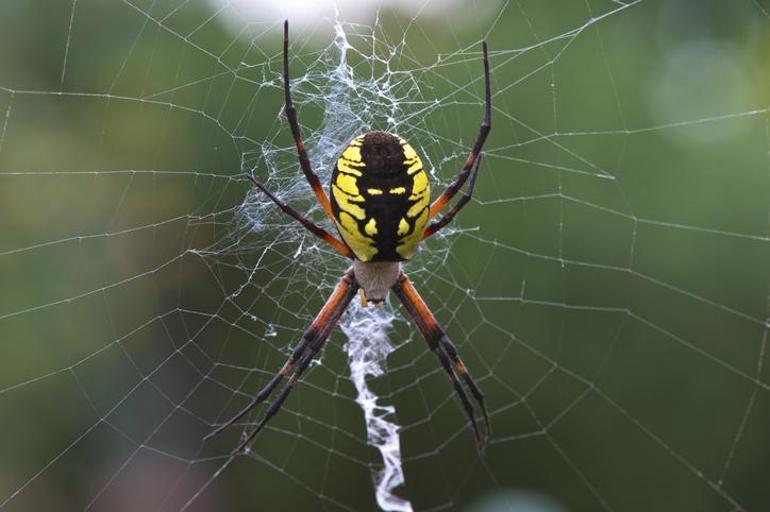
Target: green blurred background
x=609 y=288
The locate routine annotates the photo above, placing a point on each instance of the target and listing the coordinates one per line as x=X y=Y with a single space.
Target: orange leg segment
x=486 y=126
x=307 y=223
x=291 y=115
x=312 y=341
x=444 y=349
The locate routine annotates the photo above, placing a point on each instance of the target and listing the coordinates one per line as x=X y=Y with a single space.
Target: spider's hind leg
x=444 y=349
x=460 y=368
x=266 y=391
x=312 y=341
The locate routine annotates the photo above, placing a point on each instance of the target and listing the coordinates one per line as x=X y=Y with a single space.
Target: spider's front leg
x=307 y=223
x=444 y=349
x=311 y=343
x=291 y=116
x=471 y=167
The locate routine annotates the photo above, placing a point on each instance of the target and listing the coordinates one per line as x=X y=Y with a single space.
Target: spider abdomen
x=380 y=197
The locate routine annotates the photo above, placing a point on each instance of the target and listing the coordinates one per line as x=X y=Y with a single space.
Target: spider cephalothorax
x=380 y=205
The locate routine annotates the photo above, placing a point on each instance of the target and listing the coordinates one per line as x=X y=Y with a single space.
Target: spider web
x=607 y=286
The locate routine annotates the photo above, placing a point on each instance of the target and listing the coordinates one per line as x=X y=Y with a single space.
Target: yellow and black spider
x=380 y=204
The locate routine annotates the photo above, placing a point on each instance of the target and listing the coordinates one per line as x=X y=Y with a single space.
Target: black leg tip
x=254 y=181
x=211 y=434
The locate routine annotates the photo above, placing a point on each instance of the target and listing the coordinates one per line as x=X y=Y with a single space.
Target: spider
x=380 y=205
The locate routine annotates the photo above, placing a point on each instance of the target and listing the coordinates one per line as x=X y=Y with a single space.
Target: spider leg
x=312 y=341
x=307 y=223
x=444 y=349
x=435 y=226
x=291 y=115
x=266 y=391
x=276 y=405
x=460 y=367
x=486 y=126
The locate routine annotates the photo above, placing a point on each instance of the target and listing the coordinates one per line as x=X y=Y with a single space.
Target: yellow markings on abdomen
x=380 y=216
x=420 y=194
x=413 y=166
x=351 y=203
x=350 y=160
x=349 y=167
x=415 y=209
x=411 y=158
x=352 y=153
x=409 y=152
x=419 y=185
x=346 y=202
x=363 y=246
x=403 y=227
x=371 y=227
x=407 y=245
x=349 y=185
